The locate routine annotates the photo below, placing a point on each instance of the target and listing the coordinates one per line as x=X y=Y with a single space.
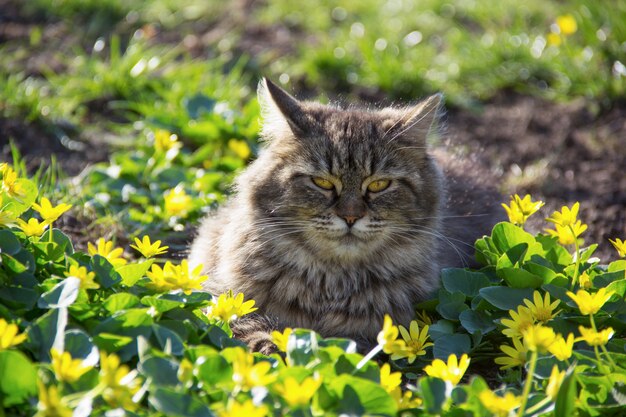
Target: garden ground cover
x=105 y=86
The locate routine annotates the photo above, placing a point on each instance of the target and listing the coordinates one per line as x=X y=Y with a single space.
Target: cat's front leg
x=255 y=330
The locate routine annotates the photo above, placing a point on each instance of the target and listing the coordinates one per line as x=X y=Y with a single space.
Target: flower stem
x=369 y=356
x=50 y=232
x=528 y=383
x=577 y=249
x=604 y=350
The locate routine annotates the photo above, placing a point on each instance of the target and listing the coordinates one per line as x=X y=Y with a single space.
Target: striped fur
x=282 y=241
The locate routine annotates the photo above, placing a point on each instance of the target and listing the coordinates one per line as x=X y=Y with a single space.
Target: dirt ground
x=559 y=153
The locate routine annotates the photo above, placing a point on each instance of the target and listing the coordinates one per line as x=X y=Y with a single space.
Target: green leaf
x=361 y=396
x=474 y=321
x=199 y=104
x=61 y=295
x=433 y=393
x=19 y=298
x=105 y=273
x=160 y=371
x=131 y=273
x=19 y=205
x=519 y=278
x=46 y=332
x=13 y=264
x=80 y=346
x=615 y=266
x=513 y=256
x=451 y=304
x=62 y=241
x=304 y=349
x=441 y=328
x=506 y=298
x=464 y=281
x=168 y=340
x=213 y=369
x=565 y=402
x=346 y=364
x=111 y=342
x=18 y=378
x=506 y=235
x=9 y=243
x=446 y=345
x=161 y=305
x=120 y=301
x=618 y=286
x=177 y=404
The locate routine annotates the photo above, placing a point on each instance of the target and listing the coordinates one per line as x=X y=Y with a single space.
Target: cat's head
x=345 y=182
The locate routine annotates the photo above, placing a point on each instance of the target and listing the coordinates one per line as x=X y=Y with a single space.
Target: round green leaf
x=18 y=378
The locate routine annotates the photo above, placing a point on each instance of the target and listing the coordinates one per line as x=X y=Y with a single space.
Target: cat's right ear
x=279 y=110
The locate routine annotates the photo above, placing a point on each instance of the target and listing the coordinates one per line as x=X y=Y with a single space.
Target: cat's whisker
x=462 y=257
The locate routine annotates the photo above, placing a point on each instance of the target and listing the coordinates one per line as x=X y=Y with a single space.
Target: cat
x=345 y=216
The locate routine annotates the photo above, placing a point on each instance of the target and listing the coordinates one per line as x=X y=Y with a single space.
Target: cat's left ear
x=417 y=121
x=279 y=110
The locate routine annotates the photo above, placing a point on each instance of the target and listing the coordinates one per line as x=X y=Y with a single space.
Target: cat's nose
x=350 y=220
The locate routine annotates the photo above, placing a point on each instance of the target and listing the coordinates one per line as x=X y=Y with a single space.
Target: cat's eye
x=323 y=183
x=378 y=186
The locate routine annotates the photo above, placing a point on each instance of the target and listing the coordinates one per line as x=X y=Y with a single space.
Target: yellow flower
x=405 y=400
x=594 y=338
x=228 y=307
x=554 y=39
x=105 y=249
x=9 y=184
x=415 y=342
x=281 y=339
x=516 y=355
x=389 y=380
x=555 y=382
x=50 y=403
x=499 y=406
x=620 y=246
x=48 y=212
x=452 y=371
x=177 y=202
x=247 y=374
x=164 y=141
x=584 y=280
x=590 y=303
x=185 y=371
x=520 y=321
x=567 y=234
x=120 y=384
x=245 y=409
x=387 y=337
x=148 y=249
x=9 y=336
x=240 y=148
x=176 y=277
x=297 y=394
x=66 y=368
x=86 y=278
x=562 y=348
x=541 y=309
x=538 y=338
x=520 y=209
x=567 y=24
x=566 y=216
x=33 y=227
x=7 y=218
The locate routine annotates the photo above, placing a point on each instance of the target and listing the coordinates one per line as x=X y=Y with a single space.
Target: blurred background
x=141 y=112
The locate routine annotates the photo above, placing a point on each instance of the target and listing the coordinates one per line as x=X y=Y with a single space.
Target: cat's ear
x=279 y=110
x=416 y=122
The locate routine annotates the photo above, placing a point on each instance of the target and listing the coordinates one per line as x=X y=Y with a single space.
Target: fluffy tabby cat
x=341 y=219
